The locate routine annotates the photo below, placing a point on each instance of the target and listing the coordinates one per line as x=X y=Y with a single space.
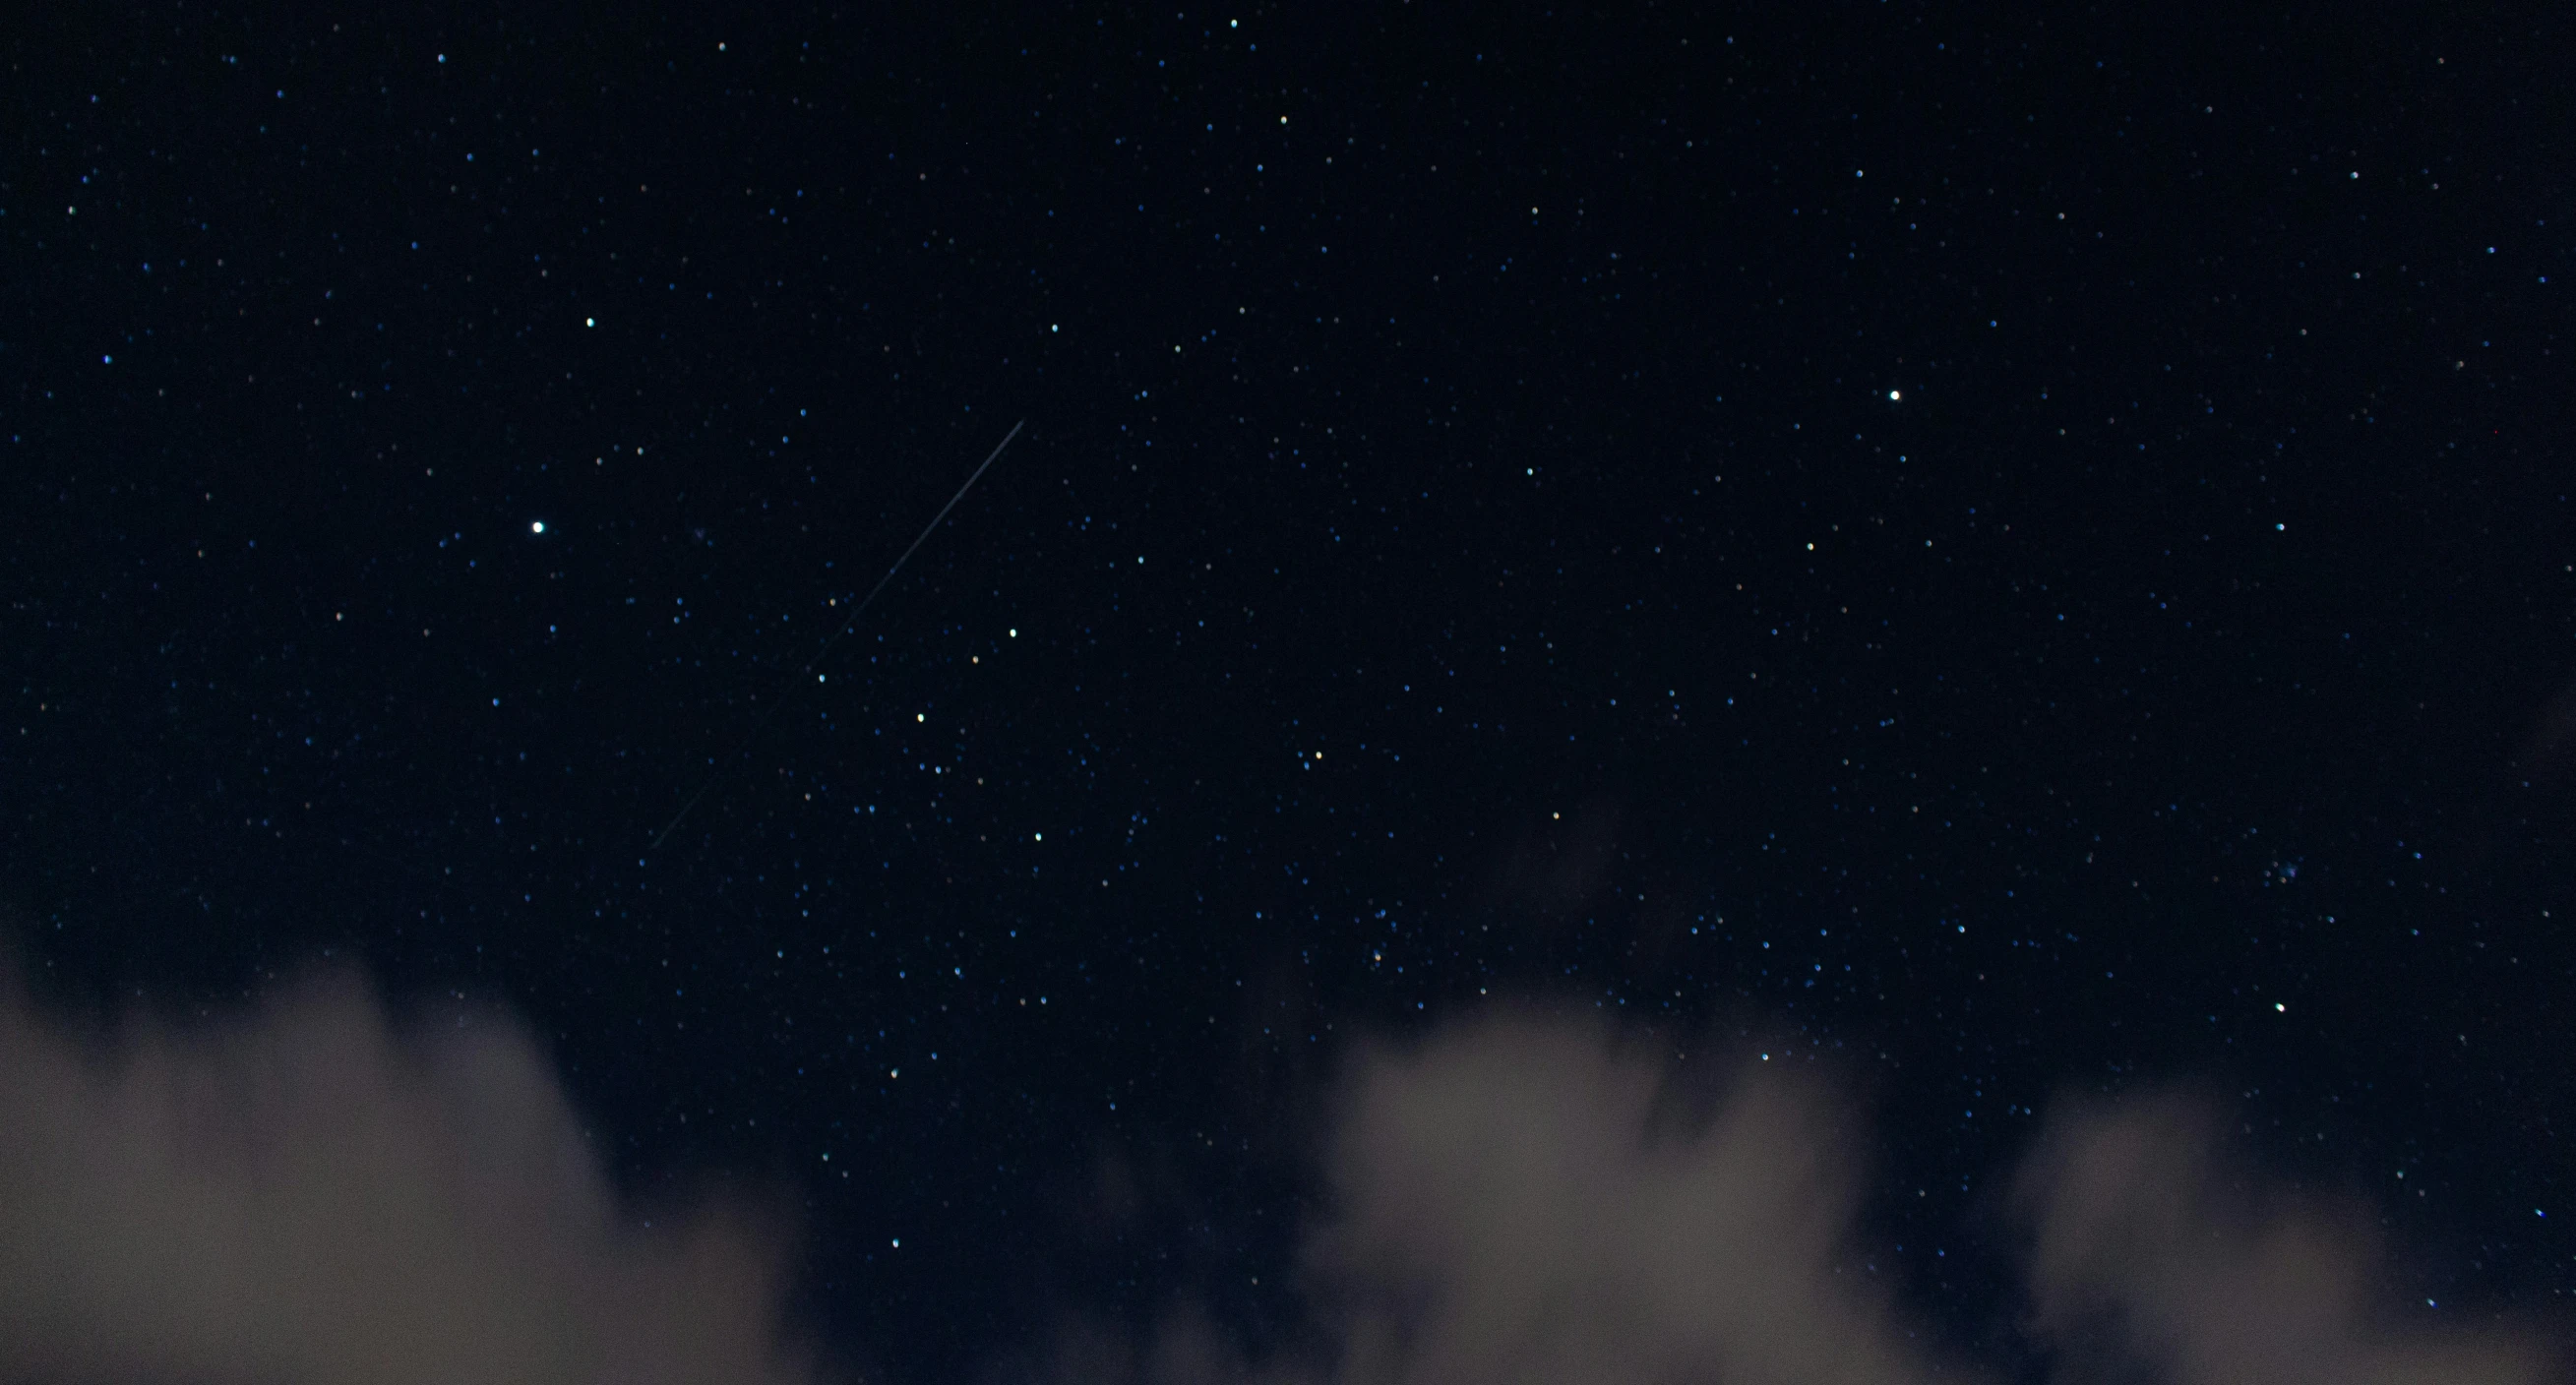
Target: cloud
x=312 y=1193
x=2147 y=1244
x=1536 y=1198
x=308 y=1195
x=1524 y=1200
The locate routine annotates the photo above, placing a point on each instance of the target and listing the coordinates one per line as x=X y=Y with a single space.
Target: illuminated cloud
x=1532 y=1199
x=312 y=1194
x=306 y=1195
x=2148 y=1246
x=1522 y=1200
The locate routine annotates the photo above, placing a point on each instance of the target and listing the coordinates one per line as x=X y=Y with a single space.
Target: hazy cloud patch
x=307 y=1194
x=1532 y=1197
x=2149 y=1245
x=313 y=1193
x=1525 y=1199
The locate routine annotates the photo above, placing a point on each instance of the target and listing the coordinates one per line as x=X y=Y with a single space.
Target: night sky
x=2015 y=558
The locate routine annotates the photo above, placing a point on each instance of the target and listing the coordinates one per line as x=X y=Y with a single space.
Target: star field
x=2030 y=558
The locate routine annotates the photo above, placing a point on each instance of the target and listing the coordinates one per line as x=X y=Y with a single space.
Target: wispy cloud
x=2149 y=1247
x=1527 y=1198
x=1522 y=1200
x=313 y=1193
x=308 y=1195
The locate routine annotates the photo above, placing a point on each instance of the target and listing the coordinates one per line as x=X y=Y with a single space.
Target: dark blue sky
x=2034 y=555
